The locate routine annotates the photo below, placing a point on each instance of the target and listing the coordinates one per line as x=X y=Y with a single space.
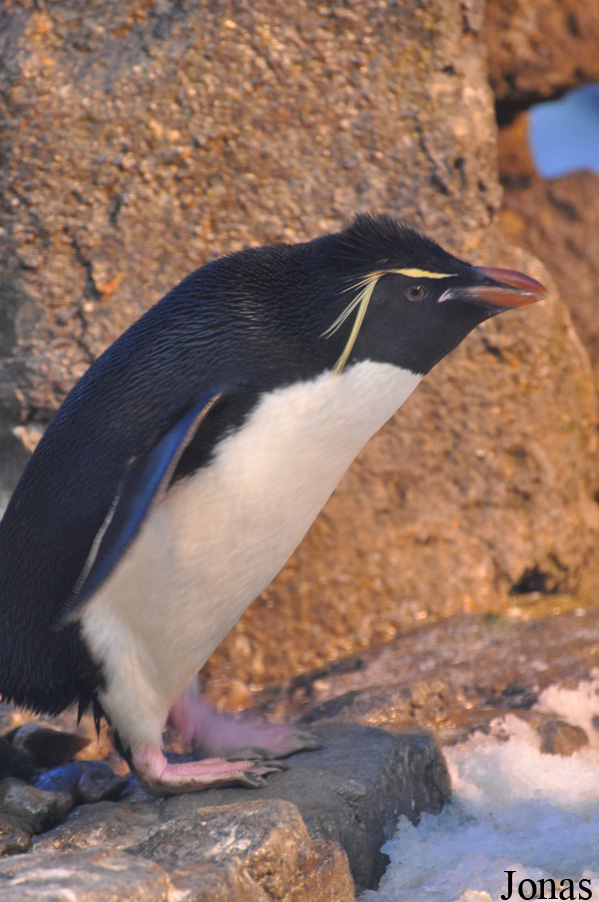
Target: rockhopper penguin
x=190 y=460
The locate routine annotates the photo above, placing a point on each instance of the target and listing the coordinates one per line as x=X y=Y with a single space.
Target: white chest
x=221 y=535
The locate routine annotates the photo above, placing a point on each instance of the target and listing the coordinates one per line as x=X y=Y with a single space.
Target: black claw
x=254 y=781
x=304 y=741
x=274 y=766
x=309 y=741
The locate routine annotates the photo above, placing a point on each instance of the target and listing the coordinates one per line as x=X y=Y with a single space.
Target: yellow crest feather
x=361 y=302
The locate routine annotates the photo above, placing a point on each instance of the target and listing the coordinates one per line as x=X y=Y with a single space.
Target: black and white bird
x=190 y=460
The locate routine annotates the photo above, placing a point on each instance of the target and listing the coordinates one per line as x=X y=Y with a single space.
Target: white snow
x=513 y=808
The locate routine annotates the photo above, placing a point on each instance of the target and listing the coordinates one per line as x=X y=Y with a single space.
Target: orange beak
x=499 y=288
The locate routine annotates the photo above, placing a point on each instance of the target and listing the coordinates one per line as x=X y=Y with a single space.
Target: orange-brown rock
x=140 y=140
x=540 y=48
x=559 y=222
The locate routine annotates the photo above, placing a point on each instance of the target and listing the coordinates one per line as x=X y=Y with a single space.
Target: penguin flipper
x=144 y=484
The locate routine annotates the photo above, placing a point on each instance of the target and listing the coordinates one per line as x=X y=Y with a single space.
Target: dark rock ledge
x=312 y=833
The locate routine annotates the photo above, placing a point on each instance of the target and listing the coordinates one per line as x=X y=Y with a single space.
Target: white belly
x=221 y=535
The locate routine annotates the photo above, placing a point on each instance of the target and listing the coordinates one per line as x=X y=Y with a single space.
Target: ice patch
x=514 y=808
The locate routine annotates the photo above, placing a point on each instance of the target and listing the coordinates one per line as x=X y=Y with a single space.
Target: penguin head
x=408 y=302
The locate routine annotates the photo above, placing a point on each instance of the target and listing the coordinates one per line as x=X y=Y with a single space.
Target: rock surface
x=15 y=835
x=352 y=791
x=453 y=676
x=107 y=824
x=267 y=840
x=257 y=851
x=40 y=809
x=14 y=763
x=540 y=48
x=86 y=876
x=309 y=833
x=559 y=222
x=558 y=737
x=141 y=141
x=86 y=782
x=46 y=747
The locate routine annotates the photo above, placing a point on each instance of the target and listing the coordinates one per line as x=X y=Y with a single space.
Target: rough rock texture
x=107 y=824
x=303 y=836
x=265 y=842
x=456 y=675
x=540 y=48
x=90 y=876
x=15 y=835
x=351 y=792
x=559 y=222
x=47 y=747
x=86 y=783
x=14 y=763
x=561 y=738
x=38 y=808
x=141 y=140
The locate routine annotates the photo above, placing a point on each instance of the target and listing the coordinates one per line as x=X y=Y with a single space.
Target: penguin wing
x=143 y=485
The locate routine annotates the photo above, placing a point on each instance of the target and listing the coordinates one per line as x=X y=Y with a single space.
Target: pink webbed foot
x=222 y=734
x=161 y=778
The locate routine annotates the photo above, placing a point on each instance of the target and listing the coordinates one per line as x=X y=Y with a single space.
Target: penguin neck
x=309 y=432
x=347 y=408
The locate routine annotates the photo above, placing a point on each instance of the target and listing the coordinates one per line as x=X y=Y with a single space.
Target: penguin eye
x=416 y=292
